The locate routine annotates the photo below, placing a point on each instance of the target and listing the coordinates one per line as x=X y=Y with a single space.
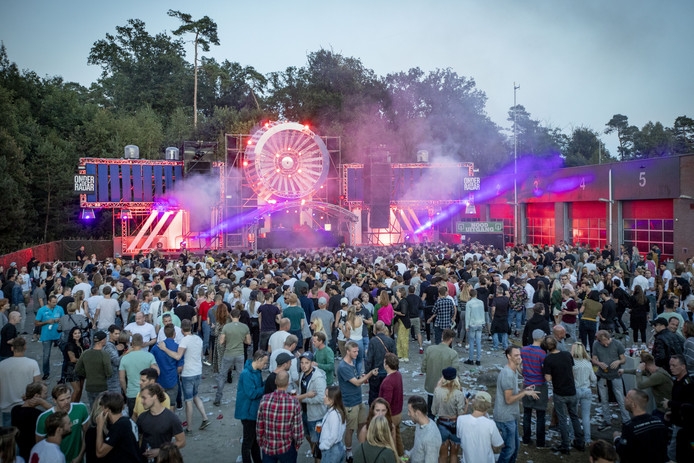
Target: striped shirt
x=533 y=356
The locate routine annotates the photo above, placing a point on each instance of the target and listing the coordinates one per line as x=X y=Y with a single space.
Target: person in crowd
x=436 y=359
x=279 y=426
x=290 y=352
x=49 y=449
x=640 y=308
x=248 y=394
x=16 y=373
x=157 y=424
x=602 y=451
x=558 y=369
x=538 y=321
x=332 y=427
x=443 y=314
x=392 y=392
x=353 y=331
x=506 y=410
x=48 y=318
x=478 y=434
x=498 y=311
x=688 y=346
x=532 y=357
x=327 y=318
x=449 y=403
x=584 y=378
x=144 y=329
x=665 y=344
x=682 y=400
x=608 y=356
x=73 y=351
x=590 y=313
x=427 y=438
x=378 y=447
x=72 y=444
x=96 y=367
x=379 y=407
x=190 y=349
x=114 y=349
x=644 y=437
x=232 y=341
x=120 y=442
x=25 y=416
x=169 y=367
x=350 y=385
x=649 y=375
x=148 y=376
x=324 y=356
x=132 y=363
x=379 y=345
x=311 y=395
x=474 y=324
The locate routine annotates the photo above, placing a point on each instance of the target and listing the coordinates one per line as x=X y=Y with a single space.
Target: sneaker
x=478 y=363
x=406 y=360
x=189 y=431
x=207 y=363
x=469 y=362
x=204 y=424
x=216 y=403
x=421 y=351
x=603 y=425
x=427 y=342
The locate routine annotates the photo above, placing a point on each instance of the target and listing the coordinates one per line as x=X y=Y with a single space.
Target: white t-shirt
x=86 y=289
x=107 y=313
x=146 y=330
x=16 y=373
x=277 y=339
x=178 y=335
x=192 y=358
x=93 y=302
x=477 y=436
x=46 y=452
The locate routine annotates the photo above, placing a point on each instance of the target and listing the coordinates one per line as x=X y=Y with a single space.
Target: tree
x=654 y=141
x=532 y=137
x=683 y=131
x=139 y=69
x=583 y=148
x=626 y=134
x=205 y=31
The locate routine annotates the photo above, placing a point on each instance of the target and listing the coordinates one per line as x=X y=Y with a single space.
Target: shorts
x=310 y=428
x=356 y=415
x=414 y=323
x=190 y=386
x=447 y=433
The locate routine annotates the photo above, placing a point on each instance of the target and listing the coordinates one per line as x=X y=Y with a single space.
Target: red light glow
x=245 y=163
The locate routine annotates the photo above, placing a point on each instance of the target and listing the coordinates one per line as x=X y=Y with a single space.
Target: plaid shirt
x=279 y=423
x=444 y=310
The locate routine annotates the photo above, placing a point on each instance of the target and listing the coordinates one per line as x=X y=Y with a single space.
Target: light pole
x=610 y=203
x=515 y=168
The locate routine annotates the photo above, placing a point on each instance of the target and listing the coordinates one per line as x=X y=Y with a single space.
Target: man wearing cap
x=325 y=316
x=283 y=362
x=533 y=356
x=665 y=344
x=95 y=366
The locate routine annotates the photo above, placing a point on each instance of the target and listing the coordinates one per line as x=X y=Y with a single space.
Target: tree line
x=150 y=95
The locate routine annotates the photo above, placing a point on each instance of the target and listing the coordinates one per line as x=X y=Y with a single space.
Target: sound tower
x=379 y=186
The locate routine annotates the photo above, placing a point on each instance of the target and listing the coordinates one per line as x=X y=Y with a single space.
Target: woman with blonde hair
x=584 y=376
x=379 y=446
x=317 y=326
x=463 y=298
x=448 y=404
x=90 y=434
x=556 y=300
x=353 y=331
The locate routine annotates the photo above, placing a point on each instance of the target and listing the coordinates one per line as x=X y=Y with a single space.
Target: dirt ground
x=223 y=437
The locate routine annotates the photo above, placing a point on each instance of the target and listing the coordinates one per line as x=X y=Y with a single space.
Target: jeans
x=539 y=426
x=515 y=316
x=509 y=433
x=47 y=345
x=6 y=419
x=227 y=363
x=287 y=457
x=22 y=308
x=586 y=332
x=570 y=330
x=250 y=450
x=205 y=328
x=618 y=390
x=500 y=338
x=438 y=334
x=364 y=347
x=335 y=454
x=359 y=362
x=584 y=396
x=475 y=340
x=651 y=300
x=567 y=409
x=264 y=338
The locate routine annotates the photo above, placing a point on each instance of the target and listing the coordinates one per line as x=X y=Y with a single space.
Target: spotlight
x=87 y=214
x=125 y=214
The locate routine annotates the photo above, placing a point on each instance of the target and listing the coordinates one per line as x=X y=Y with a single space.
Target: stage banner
x=479 y=227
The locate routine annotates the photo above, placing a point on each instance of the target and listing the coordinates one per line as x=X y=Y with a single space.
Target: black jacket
x=536 y=322
x=665 y=345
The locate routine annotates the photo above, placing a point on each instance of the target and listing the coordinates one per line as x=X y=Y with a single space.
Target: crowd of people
x=305 y=335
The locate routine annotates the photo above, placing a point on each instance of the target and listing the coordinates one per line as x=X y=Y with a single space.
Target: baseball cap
x=306 y=355
x=99 y=335
x=539 y=334
x=321 y=300
x=283 y=358
x=344 y=301
x=449 y=373
x=484 y=396
x=659 y=321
